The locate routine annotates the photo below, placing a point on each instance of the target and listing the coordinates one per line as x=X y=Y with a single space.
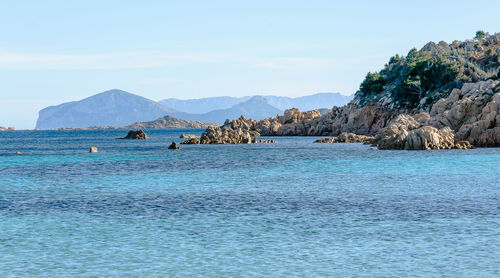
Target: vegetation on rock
x=422 y=77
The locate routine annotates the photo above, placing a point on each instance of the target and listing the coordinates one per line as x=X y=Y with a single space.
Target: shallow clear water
x=293 y=208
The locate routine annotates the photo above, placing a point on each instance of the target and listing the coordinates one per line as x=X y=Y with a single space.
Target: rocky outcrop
x=429 y=138
x=472 y=112
x=405 y=132
x=136 y=134
x=468 y=114
x=394 y=136
x=174 y=146
x=225 y=135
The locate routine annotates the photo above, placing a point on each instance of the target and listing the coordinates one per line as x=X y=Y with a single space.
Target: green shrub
x=480 y=35
x=373 y=83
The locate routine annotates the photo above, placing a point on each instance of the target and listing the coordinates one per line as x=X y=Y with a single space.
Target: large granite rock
x=429 y=138
x=394 y=136
x=472 y=112
x=136 y=134
x=225 y=135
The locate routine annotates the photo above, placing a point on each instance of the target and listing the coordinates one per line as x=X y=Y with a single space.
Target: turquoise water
x=293 y=208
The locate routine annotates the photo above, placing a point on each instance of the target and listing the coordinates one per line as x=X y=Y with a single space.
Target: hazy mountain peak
x=110 y=108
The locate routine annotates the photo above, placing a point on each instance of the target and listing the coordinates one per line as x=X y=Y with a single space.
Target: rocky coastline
x=469 y=116
x=448 y=97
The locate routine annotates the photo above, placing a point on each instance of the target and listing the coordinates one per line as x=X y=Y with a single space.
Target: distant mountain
x=116 y=108
x=204 y=105
x=306 y=103
x=110 y=108
x=256 y=108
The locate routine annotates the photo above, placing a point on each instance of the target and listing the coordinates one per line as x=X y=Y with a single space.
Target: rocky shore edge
x=468 y=117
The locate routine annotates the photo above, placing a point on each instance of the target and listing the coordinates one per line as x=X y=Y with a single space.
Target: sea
x=289 y=209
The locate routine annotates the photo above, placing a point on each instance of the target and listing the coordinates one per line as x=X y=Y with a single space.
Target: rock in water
x=187 y=136
x=347 y=137
x=463 y=145
x=93 y=150
x=136 y=134
x=192 y=141
x=174 y=146
x=429 y=138
x=225 y=135
x=325 y=140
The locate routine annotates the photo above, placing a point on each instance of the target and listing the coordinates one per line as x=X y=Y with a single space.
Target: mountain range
x=120 y=108
x=305 y=103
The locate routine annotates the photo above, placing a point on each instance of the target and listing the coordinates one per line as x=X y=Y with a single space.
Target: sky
x=57 y=51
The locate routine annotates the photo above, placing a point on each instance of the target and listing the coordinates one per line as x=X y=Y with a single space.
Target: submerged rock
x=174 y=146
x=136 y=134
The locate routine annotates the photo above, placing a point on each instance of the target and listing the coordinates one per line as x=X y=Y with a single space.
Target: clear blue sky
x=58 y=51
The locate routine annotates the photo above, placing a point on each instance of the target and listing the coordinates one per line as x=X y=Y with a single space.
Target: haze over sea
x=293 y=208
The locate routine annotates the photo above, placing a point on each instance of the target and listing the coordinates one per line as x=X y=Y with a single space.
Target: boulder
x=174 y=146
x=136 y=134
x=429 y=138
x=186 y=136
x=394 y=136
x=463 y=145
x=225 y=135
x=489 y=138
